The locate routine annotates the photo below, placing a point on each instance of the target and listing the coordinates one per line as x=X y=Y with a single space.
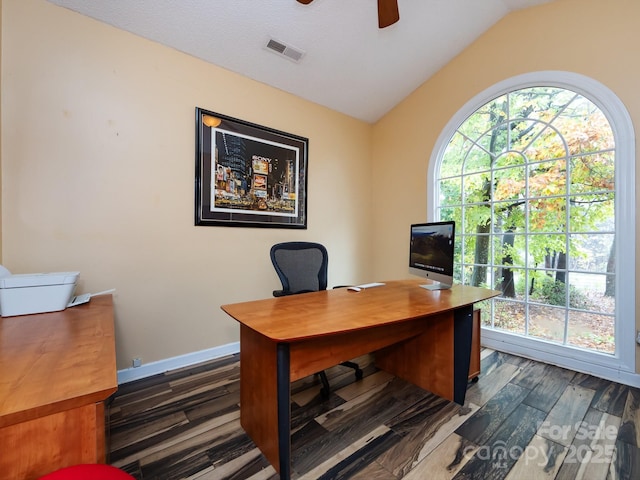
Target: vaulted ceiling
x=333 y=52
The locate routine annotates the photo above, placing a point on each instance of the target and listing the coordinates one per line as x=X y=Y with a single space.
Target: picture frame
x=248 y=175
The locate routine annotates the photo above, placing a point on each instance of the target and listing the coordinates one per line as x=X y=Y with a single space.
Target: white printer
x=23 y=294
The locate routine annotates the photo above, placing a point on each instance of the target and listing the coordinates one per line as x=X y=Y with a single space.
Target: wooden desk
x=421 y=336
x=56 y=370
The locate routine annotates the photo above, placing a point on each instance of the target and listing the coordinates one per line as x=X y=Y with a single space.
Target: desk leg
x=284 y=411
x=265 y=411
x=463 y=333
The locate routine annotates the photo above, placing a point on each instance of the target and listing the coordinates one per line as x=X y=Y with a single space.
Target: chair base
x=325 y=391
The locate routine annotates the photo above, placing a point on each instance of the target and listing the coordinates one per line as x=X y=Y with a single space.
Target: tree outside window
x=529 y=180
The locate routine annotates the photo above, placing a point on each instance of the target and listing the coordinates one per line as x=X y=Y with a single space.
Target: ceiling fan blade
x=306 y=2
x=388 y=13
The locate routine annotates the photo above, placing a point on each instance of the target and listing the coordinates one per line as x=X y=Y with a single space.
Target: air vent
x=284 y=50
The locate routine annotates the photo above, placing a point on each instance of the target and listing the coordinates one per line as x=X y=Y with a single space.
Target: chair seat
x=88 y=472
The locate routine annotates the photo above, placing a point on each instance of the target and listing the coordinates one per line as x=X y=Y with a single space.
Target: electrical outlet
x=136 y=362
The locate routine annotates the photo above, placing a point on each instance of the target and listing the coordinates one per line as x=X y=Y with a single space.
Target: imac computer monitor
x=431 y=253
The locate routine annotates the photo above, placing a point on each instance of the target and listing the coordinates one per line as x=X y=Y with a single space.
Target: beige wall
x=98 y=172
x=98 y=153
x=594 y=38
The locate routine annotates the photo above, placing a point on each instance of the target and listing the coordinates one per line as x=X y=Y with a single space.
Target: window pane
x=457 y=248
x=548 y=214
x=509 y=159
x=547 y=323
x=511 y=282
x=494 y=141
x=485 y=118
x=548 y=179
x=547 y=146
x=592 y=213
x=547 y=287
x=477 y=188
x=589 y=292
x=592 y=331
x=584 y=127
x=477 y=219
x=451 y=191
x=509 y=249
x=485 y=312
x=469 y=247
x=477 y=249
x=592 y=173
x=523 y=132
x=454 y=155
x=451 y=213
x=466 y=271
x=509 y=216
x=546 y=251
x=478 y=276
x=591 y=252
x=509 y=183
x=478 y=160
x=541 y=103
x=509 y=316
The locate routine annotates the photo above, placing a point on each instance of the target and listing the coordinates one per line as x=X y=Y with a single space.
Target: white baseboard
x=161 y=366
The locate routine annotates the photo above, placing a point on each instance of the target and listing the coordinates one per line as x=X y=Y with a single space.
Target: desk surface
x=56 y=361
x=330 y=312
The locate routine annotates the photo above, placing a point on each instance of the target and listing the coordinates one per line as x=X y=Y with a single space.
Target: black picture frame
x=248 y=175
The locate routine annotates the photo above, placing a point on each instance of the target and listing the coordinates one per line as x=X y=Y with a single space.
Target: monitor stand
x=435 y=286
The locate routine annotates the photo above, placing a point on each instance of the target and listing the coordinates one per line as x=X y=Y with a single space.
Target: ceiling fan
x=388 y=13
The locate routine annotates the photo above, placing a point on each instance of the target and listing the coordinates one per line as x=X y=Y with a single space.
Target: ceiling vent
x=282 y=49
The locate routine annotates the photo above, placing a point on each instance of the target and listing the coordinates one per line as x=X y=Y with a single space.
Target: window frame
x=621 y=365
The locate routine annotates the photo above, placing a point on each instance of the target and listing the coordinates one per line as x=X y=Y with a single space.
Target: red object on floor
x=88 y=472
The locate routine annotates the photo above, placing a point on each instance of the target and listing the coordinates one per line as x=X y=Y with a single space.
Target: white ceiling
x=349 y=65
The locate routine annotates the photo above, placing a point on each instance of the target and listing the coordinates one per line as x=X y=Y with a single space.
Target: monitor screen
x=431 y=253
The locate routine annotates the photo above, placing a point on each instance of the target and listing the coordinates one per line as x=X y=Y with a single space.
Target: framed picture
x=248 y=175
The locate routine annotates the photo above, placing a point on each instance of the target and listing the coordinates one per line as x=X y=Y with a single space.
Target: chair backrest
x=301 y=267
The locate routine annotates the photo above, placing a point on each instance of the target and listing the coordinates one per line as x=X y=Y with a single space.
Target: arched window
x=538 y=173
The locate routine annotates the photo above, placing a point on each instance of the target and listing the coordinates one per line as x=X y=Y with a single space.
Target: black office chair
x=302 y=268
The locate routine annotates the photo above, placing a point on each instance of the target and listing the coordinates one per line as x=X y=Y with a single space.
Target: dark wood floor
x=521 y=420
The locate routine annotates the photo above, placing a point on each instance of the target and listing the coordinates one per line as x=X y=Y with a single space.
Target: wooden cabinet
x=474 y=363
x=56 y=371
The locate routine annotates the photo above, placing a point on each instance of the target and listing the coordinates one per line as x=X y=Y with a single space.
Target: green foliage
x=537 y=161
x=552 y=292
